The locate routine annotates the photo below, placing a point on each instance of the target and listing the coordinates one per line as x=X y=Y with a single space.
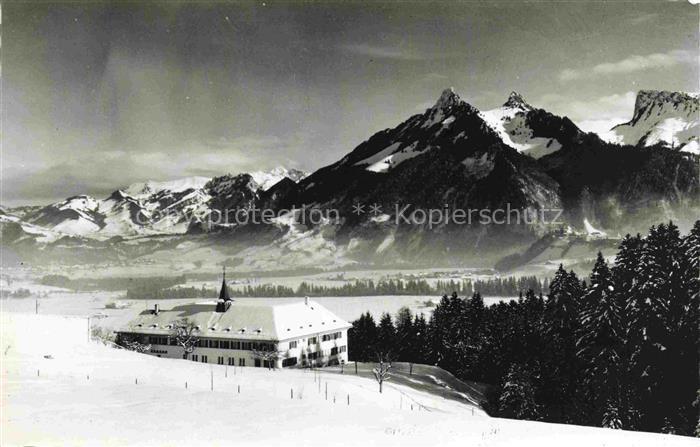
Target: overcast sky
x=97 y=96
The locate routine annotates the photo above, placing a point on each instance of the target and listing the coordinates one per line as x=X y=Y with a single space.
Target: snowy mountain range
x=452 y=155
x=149 y=208
x=661 y=117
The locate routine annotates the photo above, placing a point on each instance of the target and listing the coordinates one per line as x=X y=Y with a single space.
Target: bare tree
x=270 y=356
x=381 y=371
x=184 y=334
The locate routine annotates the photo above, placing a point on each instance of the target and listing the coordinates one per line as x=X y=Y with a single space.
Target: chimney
x=155 y=309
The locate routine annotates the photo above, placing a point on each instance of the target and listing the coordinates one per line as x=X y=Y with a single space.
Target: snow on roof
x=243 y=321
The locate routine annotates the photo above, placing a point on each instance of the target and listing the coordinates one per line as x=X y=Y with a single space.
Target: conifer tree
x=517 y=399
x=405 y=338
x=386 y=338
x=624 y=274
x=422 y=352
x=600 y=341
x=562 y=367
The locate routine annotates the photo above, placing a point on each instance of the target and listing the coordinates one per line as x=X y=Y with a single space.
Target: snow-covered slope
x=24 y=231
x=73 y=216
x=61 y=390
x=669 y=118
x=511 y=124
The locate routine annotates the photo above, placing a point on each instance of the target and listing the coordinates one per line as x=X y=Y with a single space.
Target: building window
x=235 y=345
x=289 y=362
x=231 y=361
x=241 y=362
x=204 y=359
x=220 y=361
x=334 y=350
x=214 y=344
x=257 y=363
x=224 y=344
x=343 y=348
x=293 y=344
x=195 y=357
x=333 y=336
x=313 y=341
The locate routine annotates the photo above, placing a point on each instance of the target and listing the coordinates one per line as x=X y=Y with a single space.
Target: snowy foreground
x=60 y=389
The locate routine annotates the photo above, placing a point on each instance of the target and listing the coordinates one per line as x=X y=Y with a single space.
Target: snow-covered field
x=78 y=393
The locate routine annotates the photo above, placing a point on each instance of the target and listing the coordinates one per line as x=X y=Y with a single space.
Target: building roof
x=243 y=321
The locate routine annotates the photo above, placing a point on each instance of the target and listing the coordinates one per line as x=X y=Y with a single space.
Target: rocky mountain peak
x=650 y=98
x=516 y=101
x=669 y=118
x=447 y=99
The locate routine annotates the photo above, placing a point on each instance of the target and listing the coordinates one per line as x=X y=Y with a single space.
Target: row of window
x=219 y=360
x=334 y=351
x=241 y=361
x=238 y=345
x=337 y=349
x=325 y=337
x=218 y=344
x=241 y=345
x=333 y=336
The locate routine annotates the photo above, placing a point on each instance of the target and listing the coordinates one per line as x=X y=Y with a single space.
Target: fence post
x=239 y=389
x=291 y=393
x=355 y=367
x=326 y=390
x=348 y=398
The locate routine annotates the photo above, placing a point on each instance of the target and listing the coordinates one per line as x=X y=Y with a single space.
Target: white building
x=231 y=333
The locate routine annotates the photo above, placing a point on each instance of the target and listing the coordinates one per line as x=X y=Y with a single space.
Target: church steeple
x=224 y=301
x=223 y=294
